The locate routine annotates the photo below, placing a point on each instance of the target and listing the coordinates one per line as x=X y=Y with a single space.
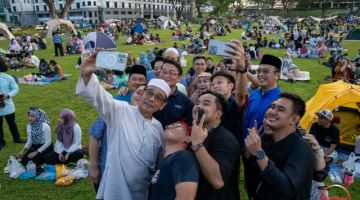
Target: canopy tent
x=139 y=28
x=5 y=29
x=165 y=22
x=55 y=23
x=344 y=100
x=272 y=21
x=353 y=34
x=323 y=19
x=111 y=21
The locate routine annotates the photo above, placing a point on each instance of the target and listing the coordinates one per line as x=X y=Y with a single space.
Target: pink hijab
x=65 y=132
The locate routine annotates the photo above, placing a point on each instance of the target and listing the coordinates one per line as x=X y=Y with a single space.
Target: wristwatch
x=241 y=71
x=259 y=155
x=196 y=147
x=320 y=154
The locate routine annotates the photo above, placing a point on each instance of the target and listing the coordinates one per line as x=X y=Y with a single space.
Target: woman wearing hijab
x=68 y=140
x=39 y=138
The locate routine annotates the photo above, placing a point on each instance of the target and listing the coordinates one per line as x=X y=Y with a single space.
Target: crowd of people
x=168 y=136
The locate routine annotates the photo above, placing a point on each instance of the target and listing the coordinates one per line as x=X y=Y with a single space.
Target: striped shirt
x=57 y=39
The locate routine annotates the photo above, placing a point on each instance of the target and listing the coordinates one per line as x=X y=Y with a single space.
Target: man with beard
x=285 y=159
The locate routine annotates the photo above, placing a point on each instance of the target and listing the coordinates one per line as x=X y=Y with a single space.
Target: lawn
x=58 y=95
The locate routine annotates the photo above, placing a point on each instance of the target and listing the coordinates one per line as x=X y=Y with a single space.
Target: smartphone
x=218 y=47
x=111 y=60
x=200 y=113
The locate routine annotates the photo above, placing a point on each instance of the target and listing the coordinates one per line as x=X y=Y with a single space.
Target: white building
x=31 y=12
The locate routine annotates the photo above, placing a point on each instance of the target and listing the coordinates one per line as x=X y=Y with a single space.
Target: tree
x=193 y=8
x=286 y=4
x=54 y=13
x=199 y=4
x=237 y=7
x=221 y=6
x=179 y=6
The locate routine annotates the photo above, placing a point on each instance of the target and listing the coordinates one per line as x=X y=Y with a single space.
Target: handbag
x=326 y=197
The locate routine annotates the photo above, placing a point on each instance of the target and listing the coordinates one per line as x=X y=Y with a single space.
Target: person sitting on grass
x=110 y=81
x=26 y=61
x=57 y=70
x=38 y=144
x=44 y=68
x=68 y=140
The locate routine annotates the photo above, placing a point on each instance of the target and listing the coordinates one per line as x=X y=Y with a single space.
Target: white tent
x=5 y=29
x=55 y=23
x=110 y=21
x=323 y=19
x=272 y=21
x=164 y=22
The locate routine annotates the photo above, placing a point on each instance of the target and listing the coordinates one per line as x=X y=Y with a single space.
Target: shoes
x=20 y=141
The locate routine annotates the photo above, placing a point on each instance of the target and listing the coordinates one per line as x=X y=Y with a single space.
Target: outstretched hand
x=238 y=51
x=87 y=67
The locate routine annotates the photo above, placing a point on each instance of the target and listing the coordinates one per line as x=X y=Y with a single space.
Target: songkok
x=161 y=84
x=271 y=60
x=138 y=69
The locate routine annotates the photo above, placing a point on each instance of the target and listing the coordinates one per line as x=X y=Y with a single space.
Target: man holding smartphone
x=216 y=150
x=134 y=137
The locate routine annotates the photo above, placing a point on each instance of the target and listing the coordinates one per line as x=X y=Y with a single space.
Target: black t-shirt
x=223 y=147
x=177 y=167
x=233 y=120
x=325 y=136
x=290 y=169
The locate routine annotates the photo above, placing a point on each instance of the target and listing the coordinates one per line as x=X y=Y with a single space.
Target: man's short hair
x=225 y=75
x=198 y=57
x=173 y=62
x=298 y=106
x=219 y=100
x=157 y=59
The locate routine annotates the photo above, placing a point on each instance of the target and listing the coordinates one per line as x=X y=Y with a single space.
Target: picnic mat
x=41 y=81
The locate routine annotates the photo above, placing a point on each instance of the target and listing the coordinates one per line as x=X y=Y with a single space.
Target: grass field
x=58 y=95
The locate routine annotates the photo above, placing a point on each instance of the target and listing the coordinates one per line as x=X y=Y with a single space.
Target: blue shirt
x=98 y=131
x=57 y=39
x=8 y=86
x=126 y=98
x=178 y=107
x=258 y=105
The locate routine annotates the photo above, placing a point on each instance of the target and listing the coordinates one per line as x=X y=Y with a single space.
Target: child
x=57 y=70
x=68 y=140
x=38 y=144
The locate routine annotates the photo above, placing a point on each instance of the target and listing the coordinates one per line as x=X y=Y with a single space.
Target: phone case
x=218 y=47
x=111 y=60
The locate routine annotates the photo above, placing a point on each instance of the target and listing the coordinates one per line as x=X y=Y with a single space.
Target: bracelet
x=242 y=71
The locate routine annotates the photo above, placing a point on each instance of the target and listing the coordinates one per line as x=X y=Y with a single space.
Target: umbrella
x=98 y=40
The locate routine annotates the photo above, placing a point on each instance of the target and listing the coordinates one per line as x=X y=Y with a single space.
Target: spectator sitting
x=58 y=72
x=13 y=60
x=304 y=51
x=27 y=61
x=68 y=140
x=39 y=138
x=110 y=81
x=44 y=68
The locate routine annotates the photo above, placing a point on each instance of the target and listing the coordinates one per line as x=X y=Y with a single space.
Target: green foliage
x=58 y=95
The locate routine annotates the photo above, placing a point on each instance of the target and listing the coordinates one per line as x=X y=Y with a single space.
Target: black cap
x=271 y=60
x=138 y=69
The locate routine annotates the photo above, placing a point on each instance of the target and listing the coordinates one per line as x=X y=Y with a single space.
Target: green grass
x=58 y=95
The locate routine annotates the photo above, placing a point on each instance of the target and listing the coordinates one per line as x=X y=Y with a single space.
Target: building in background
x=36 y=12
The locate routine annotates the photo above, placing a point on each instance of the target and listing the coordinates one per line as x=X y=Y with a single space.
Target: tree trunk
x=52 y=10
x=198 y=11
x=66 y=8
x=193 y=8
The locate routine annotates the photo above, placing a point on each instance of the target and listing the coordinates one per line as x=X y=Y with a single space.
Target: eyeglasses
x=265 y=71
x=170 y=73
x=157 y=97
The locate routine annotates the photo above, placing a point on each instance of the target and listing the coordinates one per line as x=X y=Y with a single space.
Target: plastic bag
x=61 y=171
x=349 y=165
x=27 y=175
x=78 y=173
x=46 y=176
x=83 y=164
x=15 y=168
x=65 y=181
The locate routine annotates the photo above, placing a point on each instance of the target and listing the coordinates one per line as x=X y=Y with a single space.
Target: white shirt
x=76 y=144
x=46 y=137
x=133 y=144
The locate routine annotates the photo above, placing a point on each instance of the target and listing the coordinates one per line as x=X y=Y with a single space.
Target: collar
x=269 y=91
x=175 y=93
x=211 y=129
